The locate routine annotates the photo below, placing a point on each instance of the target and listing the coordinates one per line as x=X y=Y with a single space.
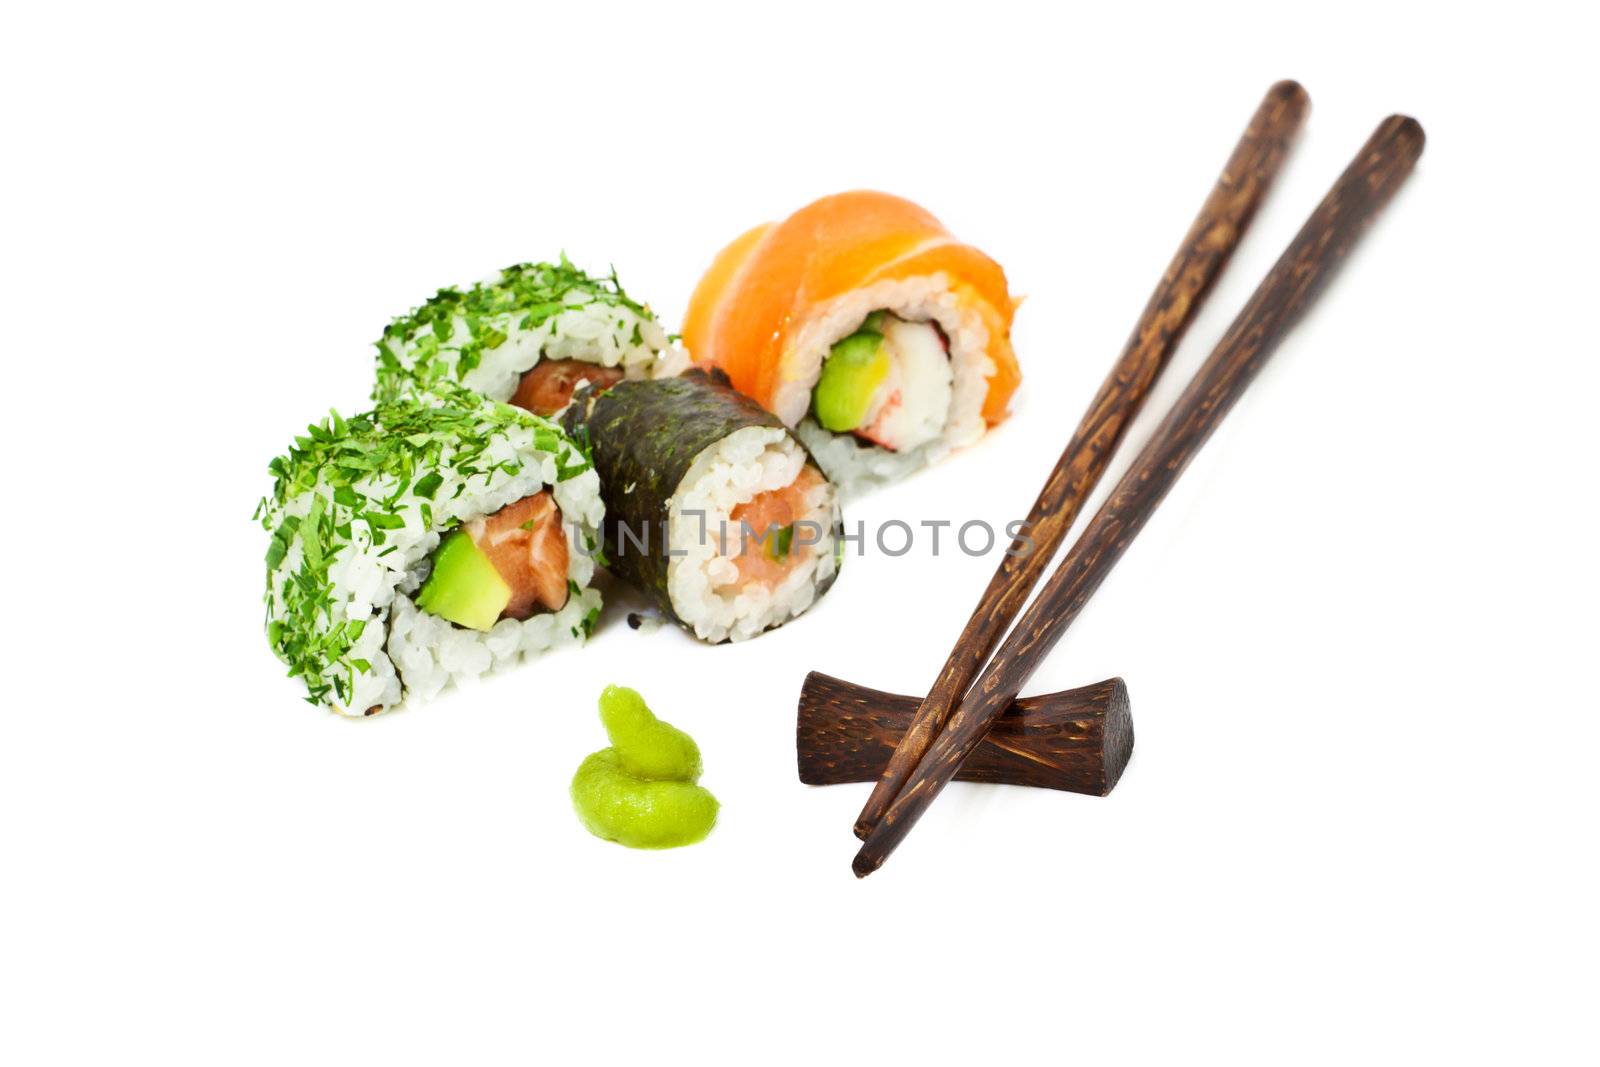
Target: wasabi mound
x=641 y=791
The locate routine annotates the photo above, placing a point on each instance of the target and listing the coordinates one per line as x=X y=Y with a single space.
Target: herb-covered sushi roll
x=712 y=506
x=430 y=541
x=862 y=323
x=528 y=337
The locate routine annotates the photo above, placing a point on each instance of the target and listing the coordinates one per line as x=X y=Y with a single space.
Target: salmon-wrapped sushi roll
x=433 y=540
x=860 y=321
x=527 y=337
x=712 y=507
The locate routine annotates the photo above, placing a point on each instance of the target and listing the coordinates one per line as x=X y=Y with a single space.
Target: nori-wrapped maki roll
x=712 y=506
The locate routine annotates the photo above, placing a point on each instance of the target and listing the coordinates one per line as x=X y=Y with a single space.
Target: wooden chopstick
x=1372 y=178
x=1205 y=251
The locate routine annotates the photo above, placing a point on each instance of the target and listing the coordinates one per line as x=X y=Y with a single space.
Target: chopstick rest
x=1078 y=741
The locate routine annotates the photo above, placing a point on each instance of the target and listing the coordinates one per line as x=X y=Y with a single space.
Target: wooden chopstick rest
x=1078 y=741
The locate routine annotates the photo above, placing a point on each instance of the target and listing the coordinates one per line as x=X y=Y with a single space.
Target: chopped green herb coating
x=531 y=305
x=347 y=484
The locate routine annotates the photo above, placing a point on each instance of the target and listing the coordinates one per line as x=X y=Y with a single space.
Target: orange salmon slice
x=762 y=289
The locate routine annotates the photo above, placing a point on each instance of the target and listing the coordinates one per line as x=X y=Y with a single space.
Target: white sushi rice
x=593 y=333
x=702 y=579
x=851 y=463
x=413 y=655
x=590 y=332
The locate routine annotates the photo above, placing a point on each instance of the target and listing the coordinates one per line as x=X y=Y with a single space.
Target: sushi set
x=533 y=428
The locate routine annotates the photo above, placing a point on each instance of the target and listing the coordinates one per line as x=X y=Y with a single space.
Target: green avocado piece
x=850 y=375
x=637 y=812
x=777 y=544
x=646 y=746
x=464 y=586
x=641 y=791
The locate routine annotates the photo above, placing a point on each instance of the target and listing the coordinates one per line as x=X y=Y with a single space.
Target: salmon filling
x=548 y=387
x=509 y=565
x=767 y=546
x=528 y=548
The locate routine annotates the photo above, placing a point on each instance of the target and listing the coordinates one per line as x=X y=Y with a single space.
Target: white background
x=1359 y=635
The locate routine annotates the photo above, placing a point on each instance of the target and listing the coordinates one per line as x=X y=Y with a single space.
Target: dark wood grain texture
x=1322 y=245
x=1205 y=251
x=1077 y=741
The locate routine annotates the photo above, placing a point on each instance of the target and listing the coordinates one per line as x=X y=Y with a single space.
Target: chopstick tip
x=865 y=864
x=1288 y=102
x=1290 y=90
x=1401 y=138
x=1409 y=128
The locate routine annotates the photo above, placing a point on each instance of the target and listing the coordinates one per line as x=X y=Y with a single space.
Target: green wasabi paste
x=641 y=791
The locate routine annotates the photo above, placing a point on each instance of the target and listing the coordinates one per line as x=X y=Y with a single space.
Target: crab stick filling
x=890 y=383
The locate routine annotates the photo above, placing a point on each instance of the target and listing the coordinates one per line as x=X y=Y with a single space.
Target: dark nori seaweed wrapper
x=644 y=434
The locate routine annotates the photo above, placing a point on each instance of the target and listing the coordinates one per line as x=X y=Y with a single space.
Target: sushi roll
x=527 y=337
x=712 y=506
x=860 y=321
x=430 y=541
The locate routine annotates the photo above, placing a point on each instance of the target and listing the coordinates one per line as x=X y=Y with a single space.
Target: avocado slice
x=464 y=586
x=778 y=542
x=852 y=372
